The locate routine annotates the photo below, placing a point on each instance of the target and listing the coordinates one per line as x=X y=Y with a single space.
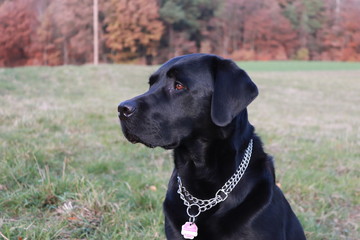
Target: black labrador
x=223 y=183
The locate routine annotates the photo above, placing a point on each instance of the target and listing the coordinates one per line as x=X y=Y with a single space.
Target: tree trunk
x=171 y=42
x=96 y=32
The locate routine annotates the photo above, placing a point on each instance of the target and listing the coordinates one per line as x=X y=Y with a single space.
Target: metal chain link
x=221 y=195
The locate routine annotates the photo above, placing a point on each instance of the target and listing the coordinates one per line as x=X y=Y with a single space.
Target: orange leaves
x=16 y=20
x=133 y=29
x=65 y=33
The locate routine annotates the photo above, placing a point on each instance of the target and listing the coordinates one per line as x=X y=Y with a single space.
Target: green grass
x=66 y=171
x=286 y=66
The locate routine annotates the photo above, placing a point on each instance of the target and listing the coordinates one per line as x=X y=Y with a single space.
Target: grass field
x=66 y=171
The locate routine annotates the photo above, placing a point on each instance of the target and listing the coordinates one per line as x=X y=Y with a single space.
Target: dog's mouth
x=132 y=138
x=131 y=133
x=135 y=139
x=170 y=146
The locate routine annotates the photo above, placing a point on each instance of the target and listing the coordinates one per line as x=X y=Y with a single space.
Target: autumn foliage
x=133 y=29
x=56 y=32
x=64 y=35
x=17 y=21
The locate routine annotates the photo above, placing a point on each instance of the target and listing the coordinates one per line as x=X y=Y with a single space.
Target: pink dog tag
x=189 y=230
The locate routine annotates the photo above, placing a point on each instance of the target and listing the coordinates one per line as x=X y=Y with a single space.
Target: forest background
x=57 y=32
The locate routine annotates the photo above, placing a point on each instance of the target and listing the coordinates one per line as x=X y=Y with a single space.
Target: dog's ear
x=233 y=92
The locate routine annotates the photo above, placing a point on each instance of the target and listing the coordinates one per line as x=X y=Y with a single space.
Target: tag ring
x=193 y=215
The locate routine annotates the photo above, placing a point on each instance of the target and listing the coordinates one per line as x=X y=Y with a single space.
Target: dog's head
x=188 y=95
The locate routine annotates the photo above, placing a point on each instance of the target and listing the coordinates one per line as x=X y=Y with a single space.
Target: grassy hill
x=66 y=171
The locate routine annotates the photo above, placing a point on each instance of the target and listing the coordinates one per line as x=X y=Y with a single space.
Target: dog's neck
x=205 y=164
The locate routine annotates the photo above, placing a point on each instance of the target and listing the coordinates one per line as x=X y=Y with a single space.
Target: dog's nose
x=126 y=109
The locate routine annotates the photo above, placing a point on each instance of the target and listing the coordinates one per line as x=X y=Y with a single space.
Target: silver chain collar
x=195 y=206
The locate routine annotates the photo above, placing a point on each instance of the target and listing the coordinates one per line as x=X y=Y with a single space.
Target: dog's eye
x=179 y=86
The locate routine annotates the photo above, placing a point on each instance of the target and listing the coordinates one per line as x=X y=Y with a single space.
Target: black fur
x=206 y=123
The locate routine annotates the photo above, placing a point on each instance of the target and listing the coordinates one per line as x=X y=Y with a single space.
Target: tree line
x=56 y=32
